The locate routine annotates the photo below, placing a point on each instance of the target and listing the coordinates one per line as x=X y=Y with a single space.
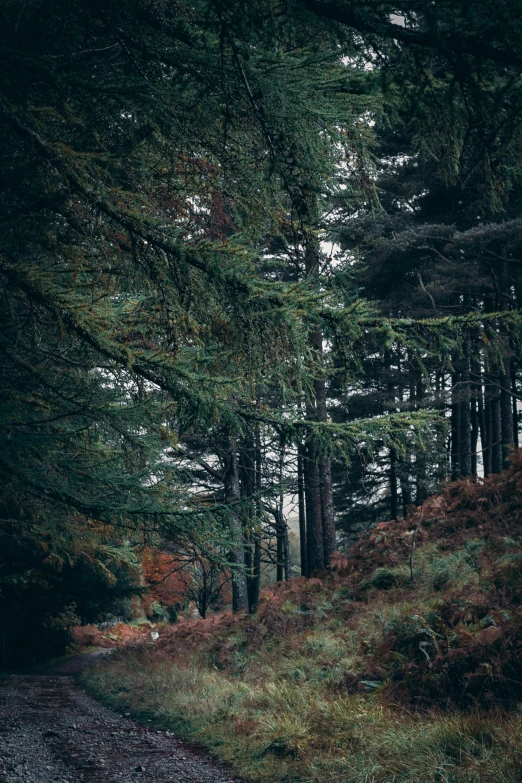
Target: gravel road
x=51 y=731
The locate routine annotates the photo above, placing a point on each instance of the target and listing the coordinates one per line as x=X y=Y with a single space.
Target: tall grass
x=278 y=730
x=302 y=692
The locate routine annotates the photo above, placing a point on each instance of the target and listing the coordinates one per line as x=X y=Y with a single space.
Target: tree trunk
x=237 y=554
x=488 y=421
x=514 y=404
x=394 y=505
x=279 y=544
x=255 y=584
x=325 y=470
x=203 y=603
x=247 y=482
x=321 y=528
x=456 y=430
x=506 y=412
x=313 y=510
x=280 y=519
x=465 y=418
x=394 y=500
x=420 y=456
x=496 y=428
x=254 y=581
x=474 y=435
x=309 y=506
x=325 y=478
x=504 y=376
x=480 y=421
x=287 y=559
x=403 y=459
x=302 y=510
x=441 y=473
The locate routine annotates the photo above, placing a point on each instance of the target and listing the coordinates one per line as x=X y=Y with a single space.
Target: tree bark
x=403 y=459
x=478 y=421
x=237 y=553
x=488 y=419
x=317 y=521
x=280 y=519
x=247 y=478
x=287 y=560
x=394 y=504
x=314 y=510
x=474 y=435
x=302 y=510
x=309 y=507
x=325 y=469
x=441 y=472
x=456 y=429
x=279 y=544
x=394 y=500
x=504 y=375
x=325 y=478
x=496 y=428
x=254 y=581
x=465 y=418
x=420 y=456
x=506 y=412
x=514 y=403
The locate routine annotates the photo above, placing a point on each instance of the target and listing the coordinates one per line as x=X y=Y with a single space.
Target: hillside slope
x=403 y=664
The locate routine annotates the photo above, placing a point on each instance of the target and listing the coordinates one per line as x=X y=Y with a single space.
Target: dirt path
x=51 y=731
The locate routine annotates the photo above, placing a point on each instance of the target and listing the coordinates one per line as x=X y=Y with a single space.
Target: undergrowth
x=364 y=674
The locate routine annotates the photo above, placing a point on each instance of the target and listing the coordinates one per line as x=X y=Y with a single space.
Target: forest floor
x=51 y=731
x=401 y=665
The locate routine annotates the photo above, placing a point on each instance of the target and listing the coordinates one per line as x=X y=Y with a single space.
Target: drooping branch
x=347 y=13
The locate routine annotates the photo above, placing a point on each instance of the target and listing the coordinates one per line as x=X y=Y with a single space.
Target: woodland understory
x=261 y=286
x=389 y=667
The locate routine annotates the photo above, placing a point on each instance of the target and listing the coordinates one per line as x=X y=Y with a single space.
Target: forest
x=261 y=326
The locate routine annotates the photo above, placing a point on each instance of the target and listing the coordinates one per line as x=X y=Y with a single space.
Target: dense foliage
x=179 y=353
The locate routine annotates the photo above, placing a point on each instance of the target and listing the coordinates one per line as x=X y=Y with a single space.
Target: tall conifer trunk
x=319 y=510
x=514 y=404
x=249 y=457
x=506 y=410
x=477 y=409
x=394 y=505
x=442 y=464
x=456 y=429
x=255 y=574
x=420 y=455
x=302 y=509
x=403 y=459
x=486 y=451
x=325 y=477
x=237 y=553
x=314 y=519
x=465 y=417
x=496 y=426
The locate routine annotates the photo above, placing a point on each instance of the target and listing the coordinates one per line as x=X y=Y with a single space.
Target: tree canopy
x=170 y=175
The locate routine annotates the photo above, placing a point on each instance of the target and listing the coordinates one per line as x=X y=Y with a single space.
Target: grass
x=365 y=675
x=300 y=693
x=278 y=730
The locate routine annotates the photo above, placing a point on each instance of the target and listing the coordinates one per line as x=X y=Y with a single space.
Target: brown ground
x=51 y=731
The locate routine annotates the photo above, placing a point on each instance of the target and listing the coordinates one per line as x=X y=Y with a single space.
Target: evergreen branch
x=455 y=44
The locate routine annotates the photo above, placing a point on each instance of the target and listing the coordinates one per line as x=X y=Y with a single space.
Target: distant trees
x=441 y=239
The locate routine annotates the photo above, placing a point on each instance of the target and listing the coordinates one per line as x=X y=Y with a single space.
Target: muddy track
x=51 y=731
